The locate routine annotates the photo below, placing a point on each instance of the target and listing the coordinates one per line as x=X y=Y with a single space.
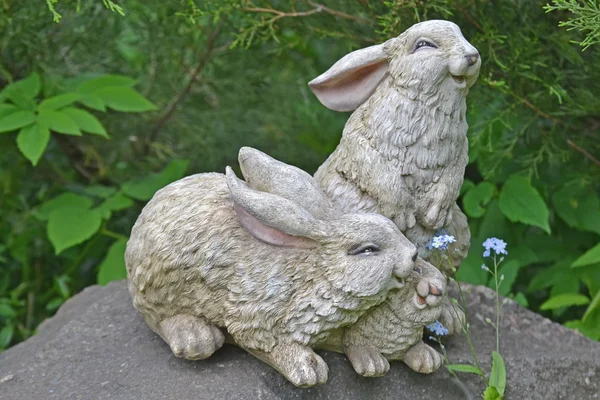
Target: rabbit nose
x=472 y=58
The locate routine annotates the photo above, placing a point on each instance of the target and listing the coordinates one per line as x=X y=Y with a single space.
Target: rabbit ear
x=267 y=174
x=271 y=218
x=351 y=80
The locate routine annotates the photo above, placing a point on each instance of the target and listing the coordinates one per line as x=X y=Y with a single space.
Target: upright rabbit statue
x=404 y=150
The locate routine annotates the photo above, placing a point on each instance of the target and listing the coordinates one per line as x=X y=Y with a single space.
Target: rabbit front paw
x=423 y=358
x=452 y=316
x=191 y=337
x=367 y=361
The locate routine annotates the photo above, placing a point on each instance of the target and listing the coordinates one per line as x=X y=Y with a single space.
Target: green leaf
x=125 y=99
x=466 y=186
x=24 y=91
x=92 y=101
x=54 y=304
x=16 y=120
x=6 y=109
x=6 y=335
x=30 y=87
x=521 y=299
x=114 y=203
x=491 y=393
x=68 y=227
x=65 y=200
x=521 y=202
x=477 y=198
x=144 y=189
x=565 y=300
x=105 y=81
x=101 y=191
x=59 y=122
x=591 y=256
x=86 y=121
x=32 y=141
x=464 y=368
x=7 y=311
x=590 y=327
x=113 y=266
x=578 y=207
x=60 y=284
x=594 y=305
x=498 y=373
x=60 y=101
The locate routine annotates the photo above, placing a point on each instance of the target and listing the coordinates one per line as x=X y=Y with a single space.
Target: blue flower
x=440 y=242
x=437 y=328
x=498 y=245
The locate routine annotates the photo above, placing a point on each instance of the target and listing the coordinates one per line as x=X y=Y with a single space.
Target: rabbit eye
x=365 y=250
x=424 y=43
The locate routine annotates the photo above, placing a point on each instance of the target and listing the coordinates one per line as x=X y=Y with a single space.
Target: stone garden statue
x=283 y=263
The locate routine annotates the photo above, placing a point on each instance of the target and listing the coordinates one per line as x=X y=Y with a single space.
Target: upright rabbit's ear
x=271 y=218
x=351 y=80
x=267 y=174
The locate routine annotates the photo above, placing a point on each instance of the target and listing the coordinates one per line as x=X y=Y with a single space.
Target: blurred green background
x=104 y=102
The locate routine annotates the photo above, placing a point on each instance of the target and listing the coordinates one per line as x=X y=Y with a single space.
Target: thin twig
x=540 y=112
x=210 y=46
x=339 y=13
x=585 y=153
x=317 y=8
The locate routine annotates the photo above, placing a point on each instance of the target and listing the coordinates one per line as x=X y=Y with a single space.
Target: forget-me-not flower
x=440 y=242
x=498 y=245
x=437 y=328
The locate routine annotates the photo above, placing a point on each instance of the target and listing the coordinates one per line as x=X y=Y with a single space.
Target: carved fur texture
x=209 y=252
x=403 y=151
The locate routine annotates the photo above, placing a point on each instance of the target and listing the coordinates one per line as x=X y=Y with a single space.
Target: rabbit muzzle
x=464 y=70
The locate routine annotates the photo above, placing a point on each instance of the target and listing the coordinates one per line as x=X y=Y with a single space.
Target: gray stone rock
x=98 y=347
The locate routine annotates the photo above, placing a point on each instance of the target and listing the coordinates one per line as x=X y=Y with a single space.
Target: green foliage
x=58 y=113
x=113 y=266
x=586 y=18
x=498 y=374
x=520 y=202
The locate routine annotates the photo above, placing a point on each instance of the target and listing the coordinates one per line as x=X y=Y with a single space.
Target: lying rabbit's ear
x=271 y=218
x=267 y=174
x=351 y=80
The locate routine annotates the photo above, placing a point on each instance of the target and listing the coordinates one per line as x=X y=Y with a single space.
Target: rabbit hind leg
x=423 y=358
x=191 y=337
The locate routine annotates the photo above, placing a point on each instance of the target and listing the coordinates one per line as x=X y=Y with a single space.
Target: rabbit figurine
x=404 y=149
x=211 y=253
x=392 y=330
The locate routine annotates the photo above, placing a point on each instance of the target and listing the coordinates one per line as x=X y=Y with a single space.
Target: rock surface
x=98 y=347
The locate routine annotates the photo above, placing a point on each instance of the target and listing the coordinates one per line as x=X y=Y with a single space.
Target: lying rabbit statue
x=403 y=152
x=390 y=331
x=210 y=252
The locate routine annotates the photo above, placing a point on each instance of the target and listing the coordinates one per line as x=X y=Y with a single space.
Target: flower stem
x=497 y=305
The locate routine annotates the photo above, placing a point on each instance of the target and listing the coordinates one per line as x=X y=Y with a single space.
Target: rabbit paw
x=452 y=316
x=367 y=361
x=299 y=364
x=423 y=358
x=190 y=337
